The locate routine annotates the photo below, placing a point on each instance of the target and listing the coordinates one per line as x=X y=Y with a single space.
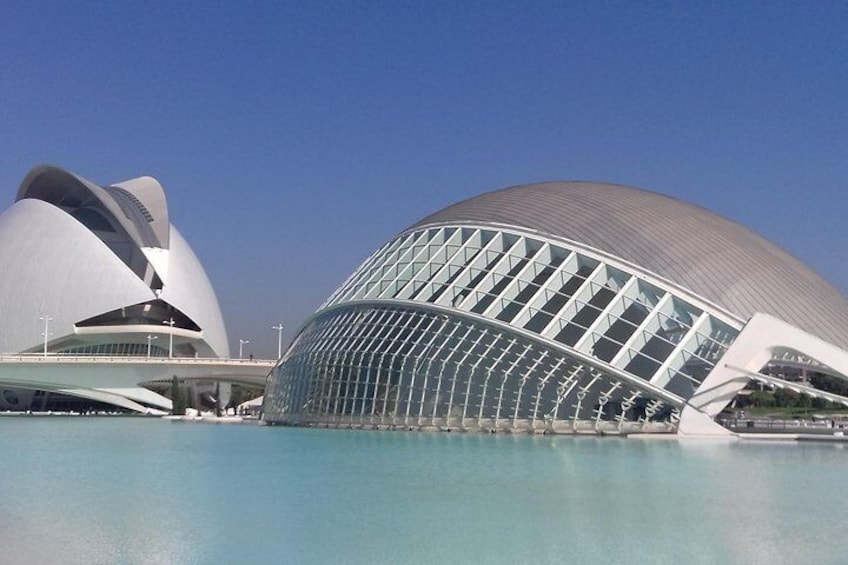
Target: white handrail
x=75 y=358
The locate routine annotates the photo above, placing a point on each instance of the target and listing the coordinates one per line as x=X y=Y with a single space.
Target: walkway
x=120 y=380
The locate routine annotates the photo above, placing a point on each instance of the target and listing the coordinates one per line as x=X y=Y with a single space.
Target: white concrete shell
x=554 y=307
x=55 y=266
x=107 y=269
x=763 y=339
x=188 y=288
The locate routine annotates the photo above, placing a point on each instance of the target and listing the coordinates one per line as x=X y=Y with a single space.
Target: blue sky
x=294 y=138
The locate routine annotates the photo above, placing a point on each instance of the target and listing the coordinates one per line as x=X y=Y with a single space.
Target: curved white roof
x=74 y=251
x=708 y=254
x=188 y=288
x=147 y=226
x=148 y=198
x=52 y=265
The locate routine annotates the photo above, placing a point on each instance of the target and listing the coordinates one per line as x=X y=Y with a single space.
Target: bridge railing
x=77 y=358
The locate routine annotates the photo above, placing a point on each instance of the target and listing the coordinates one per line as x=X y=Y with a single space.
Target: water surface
x=133 y=490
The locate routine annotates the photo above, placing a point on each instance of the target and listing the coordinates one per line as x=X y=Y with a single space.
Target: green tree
x=762 y=399
x=785 y=398
x=177 y=397
x=828 y=383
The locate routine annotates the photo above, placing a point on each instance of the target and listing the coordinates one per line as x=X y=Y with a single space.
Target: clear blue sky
x=294 y=138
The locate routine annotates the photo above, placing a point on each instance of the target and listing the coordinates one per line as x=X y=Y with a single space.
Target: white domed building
x=561 y=308
x=103 y=271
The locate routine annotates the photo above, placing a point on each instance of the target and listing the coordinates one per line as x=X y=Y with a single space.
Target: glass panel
x=604 y=349
x=570 y=333
x=642 y=366
x=657 y=348
x=539 y=322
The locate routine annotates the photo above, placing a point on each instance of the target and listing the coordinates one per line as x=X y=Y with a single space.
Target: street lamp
x=170 y=322
x=46 y=333
x=279 y=328
x=242 y=343
x=150 y=338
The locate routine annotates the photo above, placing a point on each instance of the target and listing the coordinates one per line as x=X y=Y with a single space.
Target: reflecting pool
x=135 y=490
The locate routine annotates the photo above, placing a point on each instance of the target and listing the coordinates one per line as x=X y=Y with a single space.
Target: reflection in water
x=133 y=490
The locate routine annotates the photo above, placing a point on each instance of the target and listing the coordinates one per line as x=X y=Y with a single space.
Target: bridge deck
x=27 y=358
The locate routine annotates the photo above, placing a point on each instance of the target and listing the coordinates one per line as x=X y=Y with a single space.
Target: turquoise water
x=132 y=490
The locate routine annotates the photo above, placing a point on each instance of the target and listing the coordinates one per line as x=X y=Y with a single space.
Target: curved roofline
x=598 y=183
x=715 y=257
x=141 y=234
x=618 y=262
x=148 y=196
x=655 y=193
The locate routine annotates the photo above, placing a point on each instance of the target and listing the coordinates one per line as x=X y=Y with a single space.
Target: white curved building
x=561 y=307
x=108 y=271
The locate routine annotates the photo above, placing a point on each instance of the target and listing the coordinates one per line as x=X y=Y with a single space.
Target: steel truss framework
x=384 y=366
x=456 y=325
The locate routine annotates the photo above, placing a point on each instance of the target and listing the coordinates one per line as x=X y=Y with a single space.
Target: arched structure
x=554 y=307
x=102 y=271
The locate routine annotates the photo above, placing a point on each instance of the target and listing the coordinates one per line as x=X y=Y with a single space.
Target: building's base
x=487 y=425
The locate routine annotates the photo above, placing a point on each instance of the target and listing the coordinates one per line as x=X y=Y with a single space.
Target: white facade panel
x=53 y=265
x=190 y=291
x=109 y=271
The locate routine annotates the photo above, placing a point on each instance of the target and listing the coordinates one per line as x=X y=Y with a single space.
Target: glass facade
x=532 y=329
x=117 y=350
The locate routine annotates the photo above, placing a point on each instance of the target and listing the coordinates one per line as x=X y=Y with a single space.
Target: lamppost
x=150 y=338
x=46 y=333
x=242 y=343
x=170 y=322
x=279 y=328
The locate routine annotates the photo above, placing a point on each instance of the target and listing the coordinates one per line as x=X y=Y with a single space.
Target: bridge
x=797 y=387
x=121 y=381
